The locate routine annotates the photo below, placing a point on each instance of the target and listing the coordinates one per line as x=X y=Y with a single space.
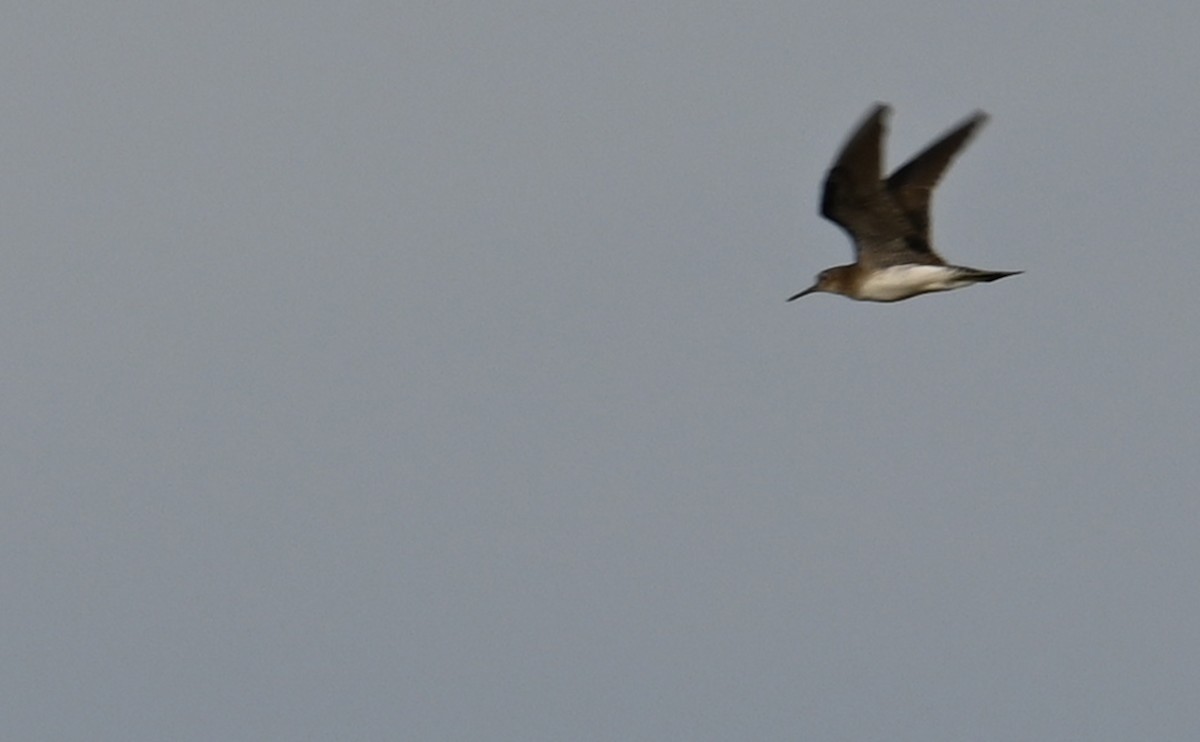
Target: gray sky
x=423 y=371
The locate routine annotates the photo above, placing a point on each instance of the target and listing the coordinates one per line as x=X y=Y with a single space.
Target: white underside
x=902 y=281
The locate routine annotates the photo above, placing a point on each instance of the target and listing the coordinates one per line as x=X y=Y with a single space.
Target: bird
x=888 y=219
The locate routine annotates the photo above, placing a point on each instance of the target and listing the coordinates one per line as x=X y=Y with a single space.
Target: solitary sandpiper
x=888 y=220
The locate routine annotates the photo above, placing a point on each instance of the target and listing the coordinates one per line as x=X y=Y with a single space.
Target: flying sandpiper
x=888 y=220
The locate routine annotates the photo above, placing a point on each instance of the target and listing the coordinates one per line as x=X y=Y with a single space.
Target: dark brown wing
x=856 y=198
x=911 y=186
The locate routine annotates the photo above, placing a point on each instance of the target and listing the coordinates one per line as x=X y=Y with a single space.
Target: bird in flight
x=888 y=219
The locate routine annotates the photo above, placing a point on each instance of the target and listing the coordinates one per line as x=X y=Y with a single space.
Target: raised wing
x=856 y=198
x=912 y=185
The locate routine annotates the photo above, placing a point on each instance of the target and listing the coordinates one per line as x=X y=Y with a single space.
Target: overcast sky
x=422 y=370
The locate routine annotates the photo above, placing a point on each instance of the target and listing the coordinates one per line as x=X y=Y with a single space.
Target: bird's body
x=888 y=219
x=906 y=280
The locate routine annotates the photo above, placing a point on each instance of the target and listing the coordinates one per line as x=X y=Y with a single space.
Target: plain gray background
x=422 y=371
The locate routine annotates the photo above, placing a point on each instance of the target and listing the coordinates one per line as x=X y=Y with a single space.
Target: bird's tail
x=989 y=276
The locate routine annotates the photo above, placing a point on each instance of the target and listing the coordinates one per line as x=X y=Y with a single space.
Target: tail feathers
x=989 y=276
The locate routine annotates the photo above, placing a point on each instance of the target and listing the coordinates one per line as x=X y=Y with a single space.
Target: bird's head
x=830 y=280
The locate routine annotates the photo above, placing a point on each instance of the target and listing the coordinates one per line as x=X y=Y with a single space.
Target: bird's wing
x=856 y=198
x=911 y=186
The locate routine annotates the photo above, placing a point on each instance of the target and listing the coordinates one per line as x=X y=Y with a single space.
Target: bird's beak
x=805 y=292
